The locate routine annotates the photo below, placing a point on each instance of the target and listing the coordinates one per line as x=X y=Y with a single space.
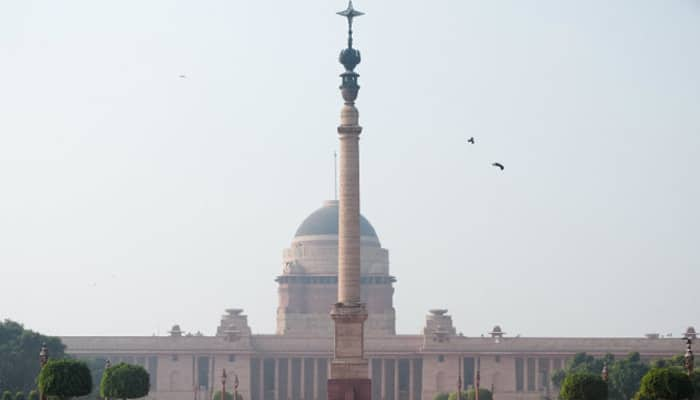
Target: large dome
x=324 y=221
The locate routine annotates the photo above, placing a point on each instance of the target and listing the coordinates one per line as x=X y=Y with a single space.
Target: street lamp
x=43 y=359
x=689 y=358
x=223 y=385
x=459 y=378
x=235 y=387
x=604 y=373
x=108 y=365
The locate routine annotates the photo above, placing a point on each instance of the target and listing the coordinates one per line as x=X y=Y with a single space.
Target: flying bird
x=499 y=165
x=183 y=76
x=471 y=140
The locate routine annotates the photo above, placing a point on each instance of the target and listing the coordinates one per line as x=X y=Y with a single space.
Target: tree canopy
x=670 y=383
x=7 y=395
x=33 y=395
x=19 y=355
x=583 y=386
x=125 y=381
x=229 y=395
x=484 y=394
x=64 y=379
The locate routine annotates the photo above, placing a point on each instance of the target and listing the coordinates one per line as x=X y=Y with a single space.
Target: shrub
x=64 y=379
x=670 y=383
x=125 y=381
x=583 y=386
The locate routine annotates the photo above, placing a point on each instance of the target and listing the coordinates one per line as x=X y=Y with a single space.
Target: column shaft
x=349 y=221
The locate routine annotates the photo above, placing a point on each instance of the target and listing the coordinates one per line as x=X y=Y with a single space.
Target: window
x=441 y=358
x=498 y=359
x=519 y=375
x=543 y=364
x=468 y=369
x=231 y=357
x=174 y=357
x=531 y=374
x=203 y=372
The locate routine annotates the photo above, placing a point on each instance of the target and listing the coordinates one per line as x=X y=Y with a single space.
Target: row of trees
x=64 y=379
x=19 y=352
x=627 y=379
x=470 y=394
x=8 y=395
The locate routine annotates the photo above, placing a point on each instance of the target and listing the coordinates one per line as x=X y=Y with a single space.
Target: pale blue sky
x=175 y=197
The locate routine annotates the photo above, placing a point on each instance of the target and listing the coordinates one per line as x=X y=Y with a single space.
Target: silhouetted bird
x=471 y=140
x=183 y=76
x=499 y=165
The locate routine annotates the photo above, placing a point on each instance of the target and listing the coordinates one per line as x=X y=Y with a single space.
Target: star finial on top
x=350 y=13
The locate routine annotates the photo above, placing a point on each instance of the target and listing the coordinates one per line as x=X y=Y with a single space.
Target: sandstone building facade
x=294 y=363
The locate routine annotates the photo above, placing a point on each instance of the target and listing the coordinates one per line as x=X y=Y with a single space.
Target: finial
x=350 y=13
x=350 y=57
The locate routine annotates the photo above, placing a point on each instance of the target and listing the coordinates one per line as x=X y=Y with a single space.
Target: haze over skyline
x=133 y=199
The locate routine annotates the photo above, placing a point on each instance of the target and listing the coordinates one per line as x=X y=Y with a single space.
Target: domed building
x=294 y=363
x=308 y=285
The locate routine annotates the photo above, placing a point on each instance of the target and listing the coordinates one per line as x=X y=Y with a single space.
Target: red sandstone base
x=349 y=389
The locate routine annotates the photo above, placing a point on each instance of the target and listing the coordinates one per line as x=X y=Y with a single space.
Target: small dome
x=324 y=221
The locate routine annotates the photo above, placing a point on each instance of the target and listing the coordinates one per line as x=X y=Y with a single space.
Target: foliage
x=670 y=383
x=441 y=396
x=64 y=379
x=97 y=368
x=583 y=386
x=125 y=381
x=19 y=396
x=229 y=395
x=484 y=394
x=19 y=355
x=625 y=376
x=33 y=395
x=558 y=378
x=7 y=395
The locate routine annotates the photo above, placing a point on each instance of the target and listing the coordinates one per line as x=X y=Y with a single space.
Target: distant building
x=293 y=363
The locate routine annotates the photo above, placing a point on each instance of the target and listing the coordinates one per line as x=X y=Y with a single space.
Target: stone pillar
x=396 y=379
x=410 y=378
x=383 y=383
x=261 y=382
x=349 y=370
x=276 y=380
x=315 y=391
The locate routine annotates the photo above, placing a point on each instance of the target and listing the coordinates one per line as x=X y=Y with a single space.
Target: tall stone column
x=349 y=370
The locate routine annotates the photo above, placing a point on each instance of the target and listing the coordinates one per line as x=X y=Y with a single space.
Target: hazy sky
x=132 y=199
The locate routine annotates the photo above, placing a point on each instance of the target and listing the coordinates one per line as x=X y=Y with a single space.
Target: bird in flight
x=471 y=140
x=183 y=76
x=499 y=165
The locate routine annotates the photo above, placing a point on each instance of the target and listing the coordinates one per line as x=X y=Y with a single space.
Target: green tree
x=19 y=396
x=19 y=355
x=625 y=376
x=583 y=386
x=63 y=379
x=33 y=395
x=125 y=381
x=441 y=396
x=670 y=383
x=229 y=395
x=484 y=394
x=7 y=395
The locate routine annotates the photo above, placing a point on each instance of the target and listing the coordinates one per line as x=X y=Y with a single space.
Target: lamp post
x=108 y=365
x=235 y=387
x=43 y=359
x=459 y=378
x=478 y=378
x=604 y=373
x=689 y=358
x=223 y=385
